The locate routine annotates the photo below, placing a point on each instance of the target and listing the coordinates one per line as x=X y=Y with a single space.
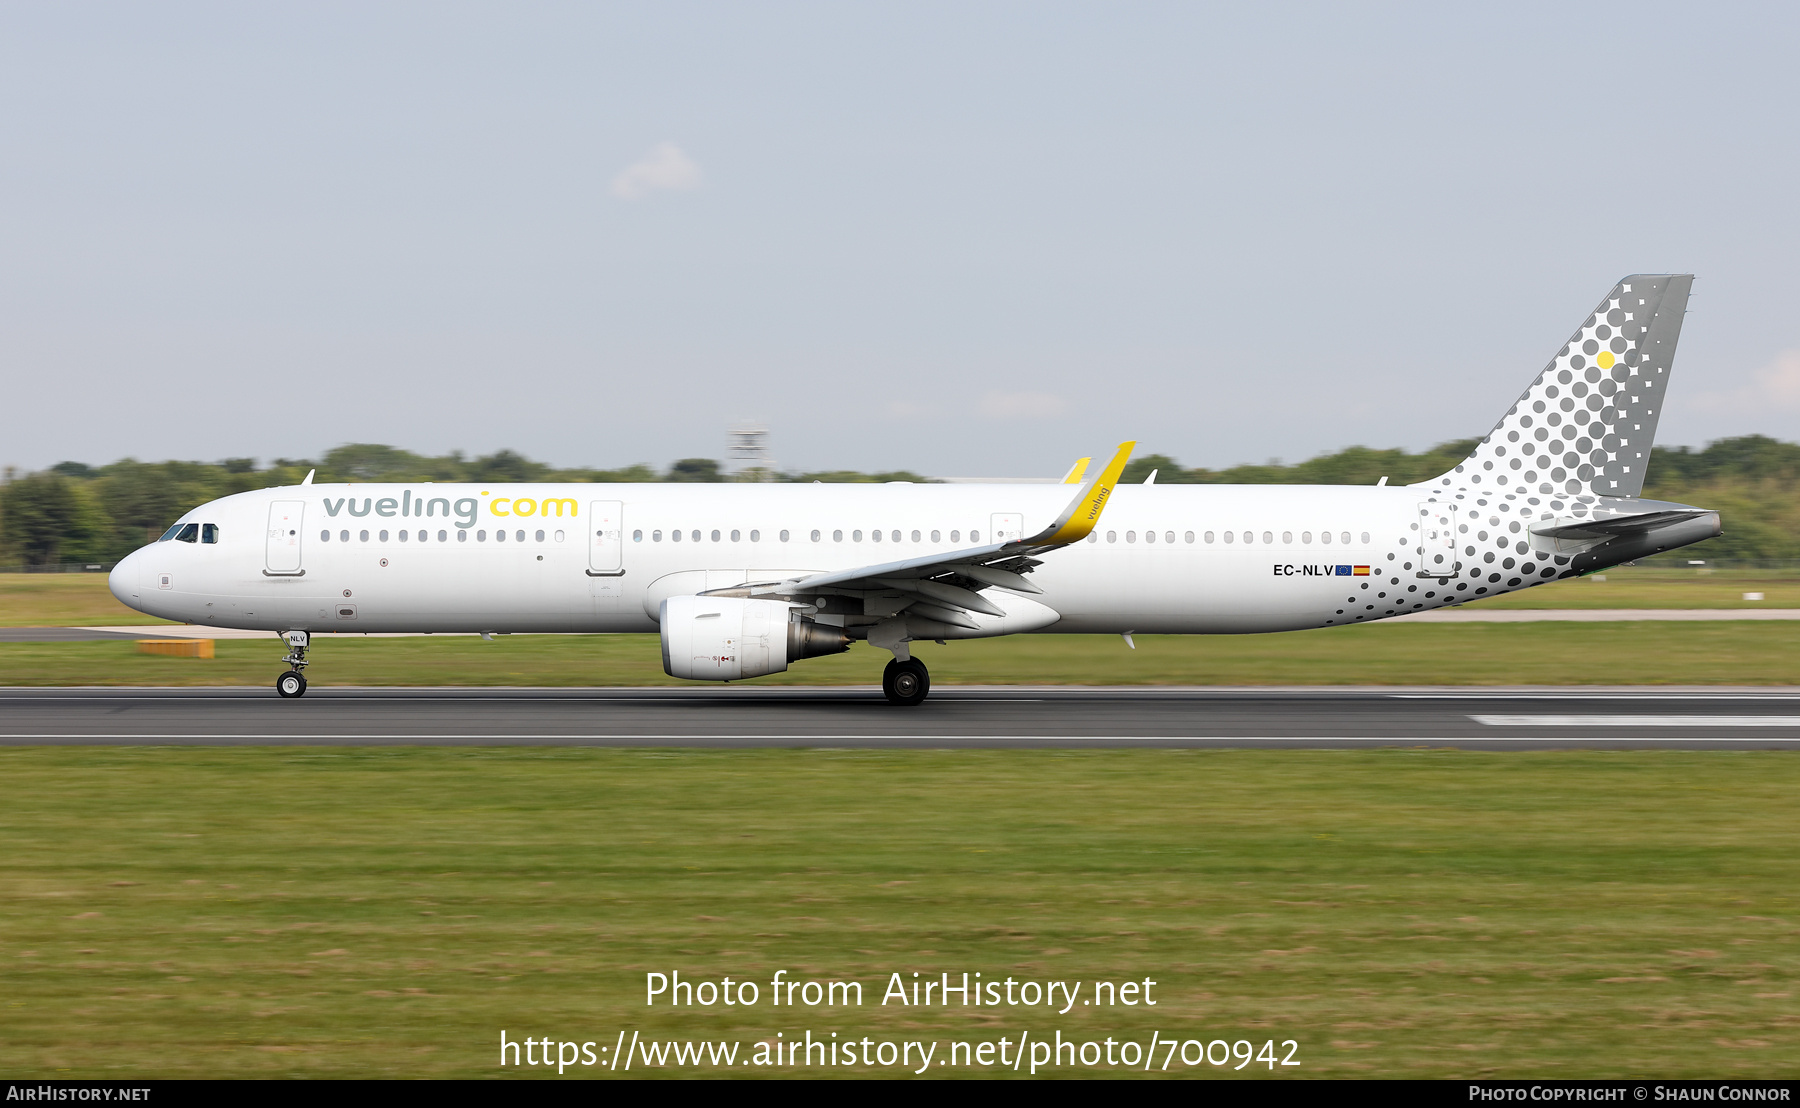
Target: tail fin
x=1585 y=426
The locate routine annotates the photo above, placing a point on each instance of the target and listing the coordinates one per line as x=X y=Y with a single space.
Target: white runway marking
x=1637 y=721
x=1594 y=696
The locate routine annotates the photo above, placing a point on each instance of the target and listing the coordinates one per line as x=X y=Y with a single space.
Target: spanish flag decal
x=1359 y=571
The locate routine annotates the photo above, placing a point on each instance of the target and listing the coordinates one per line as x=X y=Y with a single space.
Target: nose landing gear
x=906 y=683
x=293 y=682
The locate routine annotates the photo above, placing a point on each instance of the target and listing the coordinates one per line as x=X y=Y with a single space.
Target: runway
x=955 y=717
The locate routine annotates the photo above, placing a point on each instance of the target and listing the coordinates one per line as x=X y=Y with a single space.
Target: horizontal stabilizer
x=1614 y=526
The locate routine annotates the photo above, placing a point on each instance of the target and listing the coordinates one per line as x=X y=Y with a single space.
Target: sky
x=958 y=238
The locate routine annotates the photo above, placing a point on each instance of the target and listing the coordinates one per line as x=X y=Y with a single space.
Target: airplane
x=742 y=580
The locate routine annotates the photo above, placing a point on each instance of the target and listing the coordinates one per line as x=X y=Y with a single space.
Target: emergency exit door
x=606 y=538
x=281 y=544
x=1005 y=526
x=1437 y=540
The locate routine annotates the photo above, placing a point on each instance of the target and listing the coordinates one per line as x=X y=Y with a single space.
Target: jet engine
x=722 y=638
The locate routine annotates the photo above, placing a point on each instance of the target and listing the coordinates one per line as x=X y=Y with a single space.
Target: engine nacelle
x=722 y=638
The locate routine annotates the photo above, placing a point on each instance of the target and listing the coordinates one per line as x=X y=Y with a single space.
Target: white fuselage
x=600 y=558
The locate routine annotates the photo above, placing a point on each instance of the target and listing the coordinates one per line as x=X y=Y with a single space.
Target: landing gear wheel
x=291 y=684
x=906 y=682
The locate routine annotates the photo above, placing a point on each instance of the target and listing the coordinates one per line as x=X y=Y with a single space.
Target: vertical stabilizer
x=1586 y=424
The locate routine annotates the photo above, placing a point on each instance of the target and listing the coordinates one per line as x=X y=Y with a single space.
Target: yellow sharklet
x=1084 y=513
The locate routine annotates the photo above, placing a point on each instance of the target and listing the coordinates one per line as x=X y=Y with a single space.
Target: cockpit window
x=209 y=532
x=171 y=532
x=190 y=532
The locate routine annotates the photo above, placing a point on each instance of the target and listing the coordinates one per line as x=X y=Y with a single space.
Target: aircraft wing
x=948 y=585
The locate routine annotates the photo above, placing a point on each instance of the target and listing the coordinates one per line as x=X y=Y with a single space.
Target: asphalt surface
x=954 y=717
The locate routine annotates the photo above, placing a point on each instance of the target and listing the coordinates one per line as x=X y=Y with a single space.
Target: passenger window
x=363 y=536
x=190 y=532
x=695 y=535
x=402 y=536
x=856 y=536
x=875 y=536
x=937 y=536
x=895 y=536
x=1365 y=536
x=324 y=536
x=384 y=536
x=1190 y=536
x=1287 y=536
x=1209 y=536
x=674 y=536
x=520 y=536
x=1346 y=537
x=736 y=536
x=915 y=537
x=539 y=536
x=1306 y=537
x=956 y=536
x=656 y=536
x=1169 y=536
x=755 y=536
x=209 y=533
x=462 y=536
x=1231 y=536
x=1249 y=536
x=559 y=536
x=837 y=536
x=1325 y=537
x=1092 y=537
x=715 y=536
x=1149 y=536
x=480 y=536
x=1268 y=538
x=974 y=536
x=343 y=536
x=815 y=536
x=1112 y=536
x=1131 y=536
x=637 y=536
x=499 y=536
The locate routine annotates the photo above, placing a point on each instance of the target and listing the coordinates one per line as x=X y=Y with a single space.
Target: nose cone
x=126 y=579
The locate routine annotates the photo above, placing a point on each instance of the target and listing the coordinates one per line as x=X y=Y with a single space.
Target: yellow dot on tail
x=1605 y=359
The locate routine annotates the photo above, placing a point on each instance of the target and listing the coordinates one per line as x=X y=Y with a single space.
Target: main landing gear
x=293 y=682
x=906 y=682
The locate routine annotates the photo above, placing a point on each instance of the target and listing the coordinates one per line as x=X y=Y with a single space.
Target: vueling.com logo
x=465 y=509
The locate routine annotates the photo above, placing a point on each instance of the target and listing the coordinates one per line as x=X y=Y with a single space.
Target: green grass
x=63 y=600
x=333 y=913
x=1638 y=653
x=1661 y=587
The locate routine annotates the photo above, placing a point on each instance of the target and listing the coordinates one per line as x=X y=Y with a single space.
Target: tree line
x=76 y=513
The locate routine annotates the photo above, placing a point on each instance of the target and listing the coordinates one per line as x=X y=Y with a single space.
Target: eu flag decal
x=1343 y=571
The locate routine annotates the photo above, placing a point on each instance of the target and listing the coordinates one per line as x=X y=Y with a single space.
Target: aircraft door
x=282 y=542
x=1005 y=527
x=1437 y=540
x=606 y=538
